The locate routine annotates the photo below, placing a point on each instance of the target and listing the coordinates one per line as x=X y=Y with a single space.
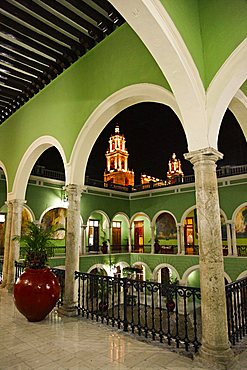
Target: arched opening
x=141 y=233
x=235 y=149
x=56 y=217
x=152 y=131
x=191 y=233
x=240 y=221
x=165 y=234
x=97 y=233
x=50 y=165
x=120 y=234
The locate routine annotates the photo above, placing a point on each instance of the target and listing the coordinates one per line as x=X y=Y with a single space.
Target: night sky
x=153 y=132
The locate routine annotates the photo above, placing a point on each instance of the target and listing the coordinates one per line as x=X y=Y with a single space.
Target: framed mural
x=55 y=216
x=241 y=223
x=26 y=217
x=223 y=227
x=166 y=227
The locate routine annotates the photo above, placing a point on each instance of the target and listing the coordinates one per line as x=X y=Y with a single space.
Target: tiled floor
x=70 y=343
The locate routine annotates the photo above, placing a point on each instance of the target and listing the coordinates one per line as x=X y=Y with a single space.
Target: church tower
x=175 y=170
x=117 y=171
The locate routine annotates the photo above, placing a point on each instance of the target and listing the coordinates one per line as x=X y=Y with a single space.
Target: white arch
x=137 y=214
x=162 y=265
x=99 y=266
x=223 y=88
x=242 y=275
x=197 y=267
x=48 y=209
x=186 y=213
x=238 y=209
x=142 y=263
x=188 y=272
x=124 y=215
x=104 y=214
x=27 y=162
x=227 y=277
x=238 y=107
x=30 y=211
x=2 y=166
x=103 y=114
x=160 y=213
x=151 y=22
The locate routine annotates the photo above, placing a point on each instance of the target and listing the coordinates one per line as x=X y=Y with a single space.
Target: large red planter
x=36 y=293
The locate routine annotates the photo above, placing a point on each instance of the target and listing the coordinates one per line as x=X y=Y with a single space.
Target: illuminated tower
x=117 y=155
x=175 y=171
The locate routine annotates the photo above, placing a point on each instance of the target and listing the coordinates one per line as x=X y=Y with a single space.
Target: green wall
x=167 y=200
x=185 y=15
x=223 y=28
x=39 y=198
x=211 y=29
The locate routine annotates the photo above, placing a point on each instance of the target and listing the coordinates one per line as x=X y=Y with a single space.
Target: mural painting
x=55 y=216
x=241 y=223
x=166 y=227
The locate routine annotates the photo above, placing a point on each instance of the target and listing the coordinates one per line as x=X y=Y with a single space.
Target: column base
x=216 y=359
x=70 y=311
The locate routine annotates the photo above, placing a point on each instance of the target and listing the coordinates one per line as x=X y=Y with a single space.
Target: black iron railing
x=236 y=299
x=144 y=308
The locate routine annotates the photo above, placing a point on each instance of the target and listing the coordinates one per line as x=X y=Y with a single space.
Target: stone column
x=215 y=347
x=182 y=251
x=234 y=240
x=152 y=239
x=179 y=238
x=129 y=239
x=7 y=239
x=14 y=245
x=72 y=250
x=229 y=238
x=83 y=229
x=109 y=237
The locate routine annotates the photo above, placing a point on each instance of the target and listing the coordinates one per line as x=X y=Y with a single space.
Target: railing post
x=125 y=289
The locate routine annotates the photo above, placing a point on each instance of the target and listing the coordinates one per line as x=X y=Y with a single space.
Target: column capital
x=73 y=189
x=20 y=202
x=203 y=154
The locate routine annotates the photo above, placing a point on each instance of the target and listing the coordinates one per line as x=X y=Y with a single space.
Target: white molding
x=28 y=161
x=2 y=166
x=238 y=107
x=137 y=214
x=151 y=22
x=160 y=213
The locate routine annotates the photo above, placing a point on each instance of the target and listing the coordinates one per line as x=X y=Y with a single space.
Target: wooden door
x=138 y=236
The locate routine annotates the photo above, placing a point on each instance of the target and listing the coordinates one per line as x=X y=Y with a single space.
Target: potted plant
x=37 y=290
x=104 y=247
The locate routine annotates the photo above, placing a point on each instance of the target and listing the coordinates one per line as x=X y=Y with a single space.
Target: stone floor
x=70 y=343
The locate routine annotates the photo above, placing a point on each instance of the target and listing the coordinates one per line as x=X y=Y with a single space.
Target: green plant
x=130 y=272
x=36 y=242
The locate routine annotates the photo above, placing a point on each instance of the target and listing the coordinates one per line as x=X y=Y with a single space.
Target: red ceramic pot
x=36 y=293
x=170 y=305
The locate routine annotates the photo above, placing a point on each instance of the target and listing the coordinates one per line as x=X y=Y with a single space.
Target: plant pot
x=36 y=293
x=103 y=306
x=170 y=305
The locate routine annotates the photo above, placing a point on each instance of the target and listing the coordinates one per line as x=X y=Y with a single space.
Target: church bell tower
x=117 y=171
